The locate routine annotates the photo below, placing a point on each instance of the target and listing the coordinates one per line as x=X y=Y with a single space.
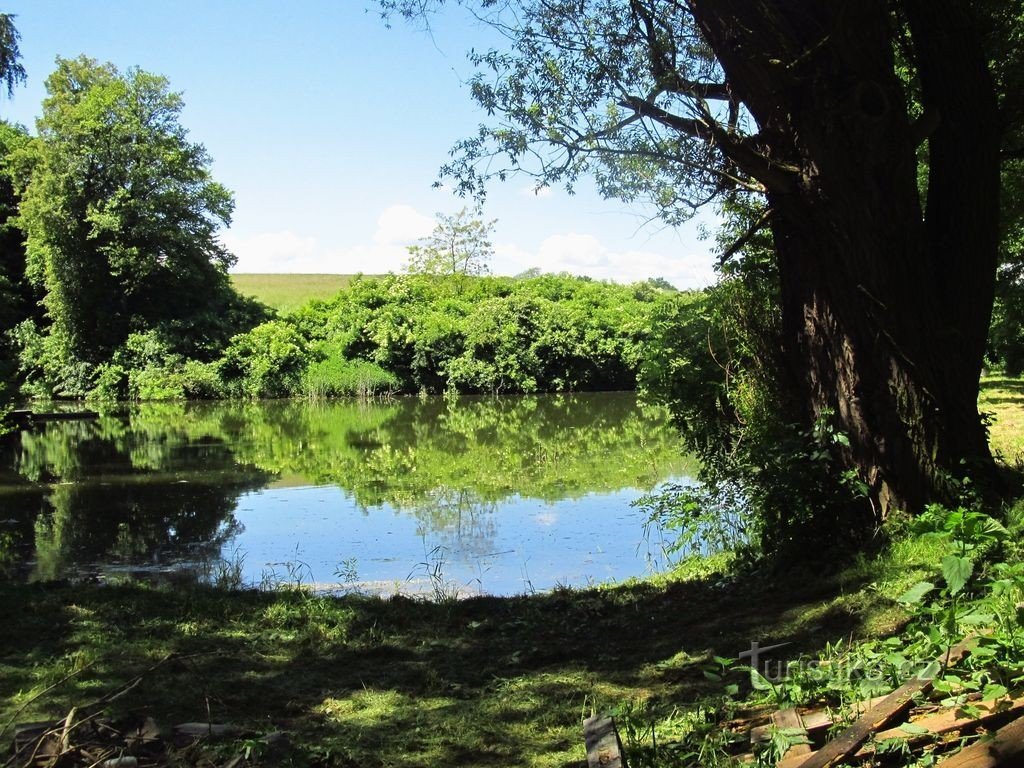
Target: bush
x=201 y=381
x=111 y=383
x=718 y=366
x=156 y=383
x=336 y=377
x=268 y=361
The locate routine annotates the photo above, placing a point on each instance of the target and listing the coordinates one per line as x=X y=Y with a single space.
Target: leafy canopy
x=626 y=92
x=121 y=218
x=12 y=73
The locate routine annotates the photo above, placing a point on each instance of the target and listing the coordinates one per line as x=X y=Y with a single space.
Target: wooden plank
x=64 y=416
x=817 y=720
x=890 y=708
x=604 y=749
x=949 y=721
x=938 y=724
x=788 y=719
x=1005 y=748
x=25 y=419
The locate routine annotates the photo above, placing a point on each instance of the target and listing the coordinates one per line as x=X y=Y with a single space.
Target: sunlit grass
x=1002 y=397
x=288 y=292
x=396 y=682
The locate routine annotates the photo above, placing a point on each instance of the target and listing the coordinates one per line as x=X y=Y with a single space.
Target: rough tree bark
x=885 y=305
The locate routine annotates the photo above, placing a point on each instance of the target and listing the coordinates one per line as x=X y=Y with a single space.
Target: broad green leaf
x=912 y=728
x=994 y=691
x=916 y=593
x=956 y=571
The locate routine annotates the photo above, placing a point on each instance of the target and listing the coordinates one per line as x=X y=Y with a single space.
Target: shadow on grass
x=399 y=682
x=1002 y=390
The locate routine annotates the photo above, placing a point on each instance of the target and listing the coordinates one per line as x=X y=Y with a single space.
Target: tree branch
x=738 y=149
x=666 y=75
x=747 y=236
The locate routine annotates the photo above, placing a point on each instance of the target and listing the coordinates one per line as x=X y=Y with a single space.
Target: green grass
x=288 y=292
x=399 y=682
x=1003 y=398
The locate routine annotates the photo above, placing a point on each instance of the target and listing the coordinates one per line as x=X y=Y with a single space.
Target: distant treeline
x=114 y=283
x=413 y=334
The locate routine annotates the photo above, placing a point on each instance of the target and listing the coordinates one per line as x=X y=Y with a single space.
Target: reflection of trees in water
x=143 y=524
x=105 y=491
x=402 y=452
x=459 y=521
x=162 y=481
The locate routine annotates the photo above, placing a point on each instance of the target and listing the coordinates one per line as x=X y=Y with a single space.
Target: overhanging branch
x=747 y=236
x=738 y=149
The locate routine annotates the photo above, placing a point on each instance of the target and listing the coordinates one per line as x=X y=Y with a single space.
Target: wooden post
x=604 y=749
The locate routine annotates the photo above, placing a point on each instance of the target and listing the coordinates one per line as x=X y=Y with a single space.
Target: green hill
x=288 y=292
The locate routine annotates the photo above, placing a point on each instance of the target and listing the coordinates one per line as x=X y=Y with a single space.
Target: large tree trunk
x=885 y=308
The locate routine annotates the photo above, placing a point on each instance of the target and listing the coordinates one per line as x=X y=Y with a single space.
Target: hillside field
x=287 y=292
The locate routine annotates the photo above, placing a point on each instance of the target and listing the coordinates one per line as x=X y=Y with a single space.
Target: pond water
x=476 y=495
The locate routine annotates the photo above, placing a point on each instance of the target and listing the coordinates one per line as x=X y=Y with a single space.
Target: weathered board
x=604 y=748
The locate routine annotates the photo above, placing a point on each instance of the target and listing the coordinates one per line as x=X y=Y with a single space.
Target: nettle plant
x=980 y=593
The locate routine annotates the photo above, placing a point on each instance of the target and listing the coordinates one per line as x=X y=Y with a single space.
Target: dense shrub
x=268 y=361
x=334 y=376
x=424 y=333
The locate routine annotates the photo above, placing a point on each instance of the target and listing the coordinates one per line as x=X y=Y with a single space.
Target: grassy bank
x=401 y=682
x=287 y=292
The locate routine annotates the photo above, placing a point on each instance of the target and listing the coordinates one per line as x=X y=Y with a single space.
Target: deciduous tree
x=459 y=246
x=122 y=217
x=823 y=110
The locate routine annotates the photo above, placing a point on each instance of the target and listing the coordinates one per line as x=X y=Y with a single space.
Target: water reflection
x=182 y=484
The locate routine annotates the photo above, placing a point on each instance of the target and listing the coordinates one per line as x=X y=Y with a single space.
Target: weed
x=442 y=590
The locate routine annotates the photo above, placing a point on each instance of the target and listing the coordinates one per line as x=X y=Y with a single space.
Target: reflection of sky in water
x=498 y=495
x=522 y=544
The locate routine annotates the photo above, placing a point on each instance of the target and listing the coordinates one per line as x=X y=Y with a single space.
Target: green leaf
x=956 y=571
x=916 y=593
x=913 y=729
x=994 y=691
x=976 y=618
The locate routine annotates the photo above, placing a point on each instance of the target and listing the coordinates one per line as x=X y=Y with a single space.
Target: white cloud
x=282 y=251
x=576 y=251
x=287 y=251
x=586 y=255
x=402 y=225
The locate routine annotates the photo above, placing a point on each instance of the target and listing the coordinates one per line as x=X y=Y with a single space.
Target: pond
x=415 y=495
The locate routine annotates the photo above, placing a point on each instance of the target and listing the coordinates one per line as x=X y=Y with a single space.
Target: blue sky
x=330 y=127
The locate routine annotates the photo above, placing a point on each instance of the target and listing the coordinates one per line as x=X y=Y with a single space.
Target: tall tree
x=12 y=73
x=12 y=252
x=17 y=300
x=885 y=291
x=459 y=246
x=122 y=218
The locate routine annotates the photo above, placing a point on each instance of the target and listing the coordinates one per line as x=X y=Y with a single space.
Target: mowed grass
x=288 y=292
x=1002 y=398
x=358 y=681
x=366 y=682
